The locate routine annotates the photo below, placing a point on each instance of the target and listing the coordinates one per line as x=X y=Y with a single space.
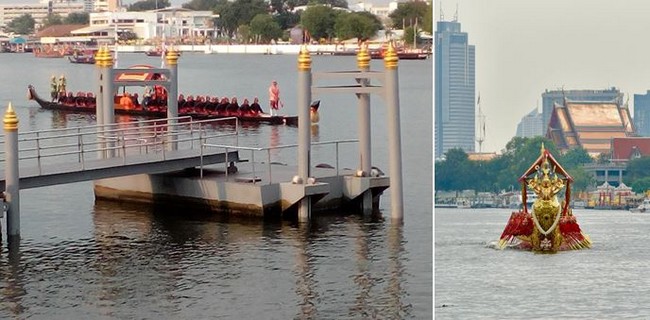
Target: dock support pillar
x=171 y=60
x=12 y=175
x=394 y=133
x=365 y=158
x=304 y=128
x=106 y=109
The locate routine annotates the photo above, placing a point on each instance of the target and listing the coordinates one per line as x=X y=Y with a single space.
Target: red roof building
x=625 y=149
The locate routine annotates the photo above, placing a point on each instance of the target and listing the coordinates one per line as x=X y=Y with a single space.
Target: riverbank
x=257 y=48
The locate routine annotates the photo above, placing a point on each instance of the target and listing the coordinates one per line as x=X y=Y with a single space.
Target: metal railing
x=122 y=139
x=268 y=150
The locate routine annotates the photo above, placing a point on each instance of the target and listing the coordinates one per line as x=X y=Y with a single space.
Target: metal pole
x=109 y=103
x=363 y=62
x=394 y=133
x=171 y=59
x=100 y=58
x=304 y=137
x=12 y=175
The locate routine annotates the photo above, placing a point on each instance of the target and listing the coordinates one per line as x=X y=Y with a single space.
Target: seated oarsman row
x=215 y=106
x=81 y=99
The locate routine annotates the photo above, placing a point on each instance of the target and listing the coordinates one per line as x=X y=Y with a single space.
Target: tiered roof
x=590 y=125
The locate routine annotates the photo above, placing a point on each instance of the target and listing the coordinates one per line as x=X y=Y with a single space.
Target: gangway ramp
x=68 y=155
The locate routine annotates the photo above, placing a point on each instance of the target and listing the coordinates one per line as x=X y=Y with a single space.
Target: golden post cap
x=103 y=58
x=171 y=56
x=304 y=59
x=363 y=58
x=10 y=119
x=390 y=57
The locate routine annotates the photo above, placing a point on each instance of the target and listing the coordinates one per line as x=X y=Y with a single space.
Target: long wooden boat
x=49 y=52
x=156 y=52
x=89 y=106
x=82 y=59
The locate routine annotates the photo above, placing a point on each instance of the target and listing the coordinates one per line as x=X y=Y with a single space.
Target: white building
x=169 y=23
x=38 y=11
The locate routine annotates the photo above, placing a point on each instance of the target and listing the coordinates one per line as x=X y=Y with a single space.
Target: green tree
x=287 y=19
x=407 y=12
x=409 y=36
x=582 y=180
x=455 y=172
x=319 y=21
x=518 y=156
x=22 y=25
x=145 y=5
x=240 y=12
x=77 y=18
x=52 y=19
x=641 y=185
x=244 y=34
x=637 y=169
x=265 y=28
x=603 y=158
x=201 y=5
x=575 y=157
x=329 y=3
x=361 y=25
x=427 y=22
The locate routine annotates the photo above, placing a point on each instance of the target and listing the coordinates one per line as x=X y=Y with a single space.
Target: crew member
x=274 y=97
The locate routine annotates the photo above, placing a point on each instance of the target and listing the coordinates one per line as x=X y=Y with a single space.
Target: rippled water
x=82 y=259
x=475 y=281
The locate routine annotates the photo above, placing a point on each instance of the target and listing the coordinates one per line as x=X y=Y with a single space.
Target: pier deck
x=242 y=192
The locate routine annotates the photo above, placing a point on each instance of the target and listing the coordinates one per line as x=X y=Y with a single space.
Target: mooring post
x=363 y=62
x=394 y=132
x=171 y=59
x=105 y=111
x=304 y=128
x=12 y=175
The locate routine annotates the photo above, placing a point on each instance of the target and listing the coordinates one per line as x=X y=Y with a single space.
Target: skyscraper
x=455 y=111
x=642 y=114
x=531 y=125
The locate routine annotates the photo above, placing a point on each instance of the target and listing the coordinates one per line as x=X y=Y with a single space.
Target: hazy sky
x=525 y=47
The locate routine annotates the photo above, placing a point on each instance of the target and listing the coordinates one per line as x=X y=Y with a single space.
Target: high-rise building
x=455 y=110
x=642 y=114
x=530 y=125
x=549 y=98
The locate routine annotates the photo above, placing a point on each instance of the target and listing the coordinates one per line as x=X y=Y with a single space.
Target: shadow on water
x=377 y=288
x=179 y=259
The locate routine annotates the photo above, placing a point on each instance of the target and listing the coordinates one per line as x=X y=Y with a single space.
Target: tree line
x=260 y=21
x=456 y=172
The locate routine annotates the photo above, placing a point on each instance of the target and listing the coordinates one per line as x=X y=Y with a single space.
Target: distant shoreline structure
x=249 y=48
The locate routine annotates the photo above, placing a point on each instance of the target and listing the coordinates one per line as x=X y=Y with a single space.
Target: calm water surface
x=83 y=259
x=475 y=281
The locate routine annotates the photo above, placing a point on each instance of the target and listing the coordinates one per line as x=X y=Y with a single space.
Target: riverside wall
x=250 y=48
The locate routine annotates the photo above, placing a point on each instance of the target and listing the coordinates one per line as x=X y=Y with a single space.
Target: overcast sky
x=525 y=47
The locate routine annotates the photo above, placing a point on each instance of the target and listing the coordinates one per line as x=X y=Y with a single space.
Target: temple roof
x=590 y=125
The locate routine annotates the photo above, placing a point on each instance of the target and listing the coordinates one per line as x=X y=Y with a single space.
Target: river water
x=475 y=281
x=82 y=259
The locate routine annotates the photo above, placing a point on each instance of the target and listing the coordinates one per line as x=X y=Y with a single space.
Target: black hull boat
x=89 y=107
x=82 y=59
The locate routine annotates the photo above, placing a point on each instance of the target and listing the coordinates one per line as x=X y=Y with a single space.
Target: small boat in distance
x=157 y=52
x=83 y=57
x=643 y=207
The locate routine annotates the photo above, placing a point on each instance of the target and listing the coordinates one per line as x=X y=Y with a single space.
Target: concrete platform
x=241 y=192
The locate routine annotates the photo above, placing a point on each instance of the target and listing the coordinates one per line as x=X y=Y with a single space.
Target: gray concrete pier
x=239 y=193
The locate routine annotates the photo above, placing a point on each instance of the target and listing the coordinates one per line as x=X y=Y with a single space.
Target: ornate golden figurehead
x=550 y=226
